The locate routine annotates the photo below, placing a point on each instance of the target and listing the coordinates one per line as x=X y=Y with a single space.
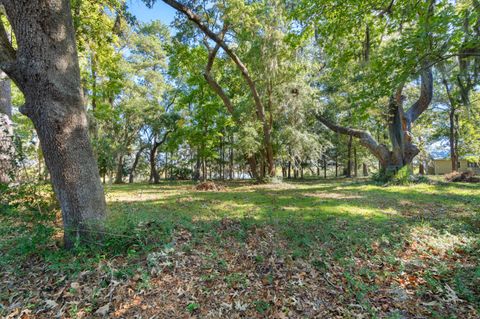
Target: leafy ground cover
x=327 y=249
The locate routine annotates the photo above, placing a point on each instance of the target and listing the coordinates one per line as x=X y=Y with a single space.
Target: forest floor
x=312 y=249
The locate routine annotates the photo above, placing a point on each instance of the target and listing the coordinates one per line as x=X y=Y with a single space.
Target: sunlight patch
x=333 y=196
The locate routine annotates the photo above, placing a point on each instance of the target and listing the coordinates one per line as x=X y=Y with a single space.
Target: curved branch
x=219 y=41
x=212 y=53
x=157 y=144
x=425 y=98
x=380 y=151
x=216 y=87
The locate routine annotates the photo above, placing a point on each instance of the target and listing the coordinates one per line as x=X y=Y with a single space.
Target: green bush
x=403 y=176
x=27 y=214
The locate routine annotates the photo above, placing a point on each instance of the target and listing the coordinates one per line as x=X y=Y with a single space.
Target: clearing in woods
x=289 y=250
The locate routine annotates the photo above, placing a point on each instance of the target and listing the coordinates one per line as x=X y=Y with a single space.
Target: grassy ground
x=309 y=249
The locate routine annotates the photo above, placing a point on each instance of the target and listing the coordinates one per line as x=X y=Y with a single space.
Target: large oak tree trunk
x=45 y=68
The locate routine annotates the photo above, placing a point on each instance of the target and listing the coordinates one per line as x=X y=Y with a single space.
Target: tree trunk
x=324 y=167
x=365 y=169
x=166 y=166
x=452 y=128
x=230 y=171
x=119 y=171
x=45 y=68
x=355 y=168
x=336 y=165
x=198 y=165
x=348 y=171
x=252 y=163
x=421 y=169
x=7 y=150
x=131 y=176
x=154 y=176
x=453 y=151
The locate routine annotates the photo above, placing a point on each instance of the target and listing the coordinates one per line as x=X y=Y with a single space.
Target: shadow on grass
x=340 y=216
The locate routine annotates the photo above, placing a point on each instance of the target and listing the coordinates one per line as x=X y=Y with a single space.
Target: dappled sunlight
x=440 y=243
x=285 y=200
x=332 y=196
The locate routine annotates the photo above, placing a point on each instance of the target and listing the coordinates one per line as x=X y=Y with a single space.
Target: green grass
x=336 y=214
x=361 y=238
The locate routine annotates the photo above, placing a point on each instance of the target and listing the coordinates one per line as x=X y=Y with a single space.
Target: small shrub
x=261 y=306
x=404 y=176
x=191 y=307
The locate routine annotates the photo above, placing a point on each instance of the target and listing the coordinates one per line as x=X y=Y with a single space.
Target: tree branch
x=212 y=53
x=219 y=41
x=157 y=144
x=8 y=55
x=380 y=151
x=425 y=98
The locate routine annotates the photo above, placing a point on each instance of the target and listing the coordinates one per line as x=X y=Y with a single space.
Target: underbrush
x=403 y=176
x=31 y=231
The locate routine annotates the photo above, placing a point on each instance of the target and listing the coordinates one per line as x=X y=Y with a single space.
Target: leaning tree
x=371 y=53
x=42 y=61
x=402 y=150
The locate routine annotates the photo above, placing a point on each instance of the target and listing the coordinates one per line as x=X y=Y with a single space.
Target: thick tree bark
x=45 y=68
x=7 y=150
x=198 y=165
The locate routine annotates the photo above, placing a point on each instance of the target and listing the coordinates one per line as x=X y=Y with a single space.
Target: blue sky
x=160 y=11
